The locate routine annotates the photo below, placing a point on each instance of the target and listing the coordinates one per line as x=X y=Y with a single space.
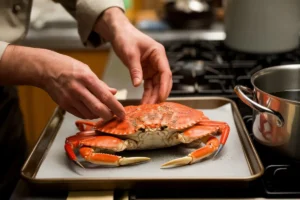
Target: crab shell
x=148 y=126
x=152 y=125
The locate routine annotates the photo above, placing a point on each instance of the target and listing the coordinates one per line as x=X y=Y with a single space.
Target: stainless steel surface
x=268 y=108
x=262 y=26
x=192 y=5
x=238 y=150
x=256 y=106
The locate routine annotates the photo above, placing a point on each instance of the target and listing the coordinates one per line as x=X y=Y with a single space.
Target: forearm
x=110 y=22
x=21 y=66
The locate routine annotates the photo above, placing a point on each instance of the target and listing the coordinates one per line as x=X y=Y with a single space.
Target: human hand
x=78 y=90
x=145 y=58
x=69 y=82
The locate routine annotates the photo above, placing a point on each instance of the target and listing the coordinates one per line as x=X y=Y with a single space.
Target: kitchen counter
x=65 y=36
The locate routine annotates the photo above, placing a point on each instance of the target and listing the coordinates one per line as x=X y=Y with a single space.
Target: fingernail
x=136 y=81
x=122 y=115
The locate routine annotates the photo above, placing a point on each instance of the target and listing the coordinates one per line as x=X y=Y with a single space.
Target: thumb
x=136 y=72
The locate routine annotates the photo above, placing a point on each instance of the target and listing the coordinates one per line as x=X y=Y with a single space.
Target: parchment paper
x=230 y=163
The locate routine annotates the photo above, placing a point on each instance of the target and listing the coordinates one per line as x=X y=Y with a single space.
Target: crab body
x=148 y=126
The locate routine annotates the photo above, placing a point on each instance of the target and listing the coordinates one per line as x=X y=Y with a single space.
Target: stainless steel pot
x=262 y=26
x=276 y=120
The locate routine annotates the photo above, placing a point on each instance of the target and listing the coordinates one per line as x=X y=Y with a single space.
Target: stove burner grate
x=206 y=68
x=282 y=179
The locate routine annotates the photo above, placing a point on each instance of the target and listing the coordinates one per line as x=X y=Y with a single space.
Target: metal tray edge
x=59 y=114
x=56 y=120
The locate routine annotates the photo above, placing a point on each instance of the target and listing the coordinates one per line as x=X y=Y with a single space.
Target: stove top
x=209 y=68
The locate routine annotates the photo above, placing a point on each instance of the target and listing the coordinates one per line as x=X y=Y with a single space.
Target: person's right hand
x=69 y=82
x=77 y=89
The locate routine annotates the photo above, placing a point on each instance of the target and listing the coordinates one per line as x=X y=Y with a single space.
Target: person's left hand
x=145 y=58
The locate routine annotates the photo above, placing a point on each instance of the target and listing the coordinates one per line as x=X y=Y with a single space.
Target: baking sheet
x=230 y=163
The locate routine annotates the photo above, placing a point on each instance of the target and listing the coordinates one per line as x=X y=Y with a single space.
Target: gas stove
x=209 y=68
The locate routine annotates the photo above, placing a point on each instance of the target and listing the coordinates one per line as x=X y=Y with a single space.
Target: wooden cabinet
x=37 y=105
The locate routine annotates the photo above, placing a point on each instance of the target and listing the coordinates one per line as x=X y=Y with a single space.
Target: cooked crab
x=149 y=126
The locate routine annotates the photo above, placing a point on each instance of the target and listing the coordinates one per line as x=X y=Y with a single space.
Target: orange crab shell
x=148 y=116
x=148 y=126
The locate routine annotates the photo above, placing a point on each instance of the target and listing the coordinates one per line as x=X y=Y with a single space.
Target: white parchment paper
x=231 y=162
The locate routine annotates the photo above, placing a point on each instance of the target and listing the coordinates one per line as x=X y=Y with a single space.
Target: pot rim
x=269 y=70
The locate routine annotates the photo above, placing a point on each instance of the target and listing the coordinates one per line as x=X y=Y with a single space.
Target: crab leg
x=204 y=128
x=89 y=125
x=86 y=144
x=107 y=159
x=212 y=144
x=201 y=131
x=223 y=128
x=73 y=142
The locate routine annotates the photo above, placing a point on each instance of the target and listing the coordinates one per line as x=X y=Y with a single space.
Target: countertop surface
x=65 y=36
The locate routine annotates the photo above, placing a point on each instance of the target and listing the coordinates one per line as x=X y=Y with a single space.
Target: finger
x=113 y=90
x=155 y=91
x=136 y=72
x=75 y=112
x=94 y=105
x=170 y=87
x=83 y=109
x=101 y=91
x=165 y=86
x=147 y=91
x=164 y=70
x=75 y=107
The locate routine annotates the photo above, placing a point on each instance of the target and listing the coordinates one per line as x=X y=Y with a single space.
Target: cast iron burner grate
x=208 y=68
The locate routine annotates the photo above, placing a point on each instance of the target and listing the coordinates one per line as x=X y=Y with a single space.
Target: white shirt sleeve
x=3 y=46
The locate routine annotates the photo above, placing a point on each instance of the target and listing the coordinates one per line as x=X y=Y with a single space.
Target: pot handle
x=256 y=106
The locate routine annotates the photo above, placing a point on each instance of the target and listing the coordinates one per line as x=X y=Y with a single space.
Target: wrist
x=110 y=22
x=19 y=66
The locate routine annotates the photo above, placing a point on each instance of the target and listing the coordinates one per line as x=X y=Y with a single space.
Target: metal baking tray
x=237 y=165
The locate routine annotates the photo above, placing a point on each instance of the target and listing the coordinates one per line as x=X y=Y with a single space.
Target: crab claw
x=88 y=125
x=86 y=141
x=178 y=162
x=211 y=146
x=132 y=160
x=71 y=143
x=107 y=159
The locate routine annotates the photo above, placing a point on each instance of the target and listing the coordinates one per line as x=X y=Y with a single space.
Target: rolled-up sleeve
x=3 y=46
x=86 y=12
